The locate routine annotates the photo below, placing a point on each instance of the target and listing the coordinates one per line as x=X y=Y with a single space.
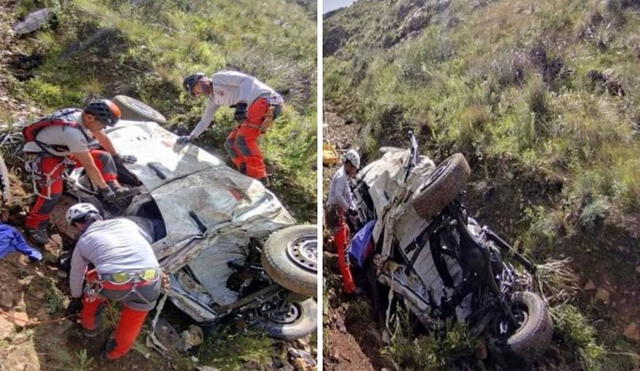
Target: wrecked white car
x=231 y=248
x=440 y=262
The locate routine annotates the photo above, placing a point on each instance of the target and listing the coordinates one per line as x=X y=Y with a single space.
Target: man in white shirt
x=256 y=106
x=340 y=200
x=62 y=139
x=126 y=270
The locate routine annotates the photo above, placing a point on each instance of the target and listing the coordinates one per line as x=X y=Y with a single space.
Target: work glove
x=183 y=140
x=107 y=194
x=125 y=159
x=241 y=113
x=74 y=307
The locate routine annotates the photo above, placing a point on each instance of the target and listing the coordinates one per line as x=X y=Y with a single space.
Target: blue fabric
x=358 y=246
x=11 y=240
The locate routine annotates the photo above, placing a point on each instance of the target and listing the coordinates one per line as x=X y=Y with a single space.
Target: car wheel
x=535 y=327
x=133 y=109
x=4 y=182
x=442 y=186
x=290 y=258
x=295 y=320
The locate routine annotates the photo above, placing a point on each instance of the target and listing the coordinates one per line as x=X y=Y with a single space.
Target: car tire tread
x=280 y=268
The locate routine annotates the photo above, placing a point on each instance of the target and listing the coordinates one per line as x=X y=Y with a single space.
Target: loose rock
x=632 y=332
x=602 y=295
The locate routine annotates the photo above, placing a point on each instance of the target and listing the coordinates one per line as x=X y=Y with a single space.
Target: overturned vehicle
x=231 y=249
x=442 y=264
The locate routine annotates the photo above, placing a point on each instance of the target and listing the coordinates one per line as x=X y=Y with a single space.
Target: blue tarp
x=358 y=246
x=11 y=240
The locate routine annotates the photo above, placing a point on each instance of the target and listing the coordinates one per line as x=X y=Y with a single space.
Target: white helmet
x=79 y=211
x=353 y=157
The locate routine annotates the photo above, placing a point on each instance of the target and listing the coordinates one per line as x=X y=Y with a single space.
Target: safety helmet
x=190 y=81
x=104 y=110
x=353 y=157
x=79 y=211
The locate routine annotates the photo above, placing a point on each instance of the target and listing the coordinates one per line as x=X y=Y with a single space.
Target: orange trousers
x=242 y=142
x=131 y=320
x=341 y=240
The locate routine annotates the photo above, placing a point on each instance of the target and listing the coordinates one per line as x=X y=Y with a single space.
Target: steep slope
x=145 y=48
x=543 y=98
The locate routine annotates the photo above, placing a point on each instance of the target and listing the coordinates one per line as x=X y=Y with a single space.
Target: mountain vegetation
x=543 y=99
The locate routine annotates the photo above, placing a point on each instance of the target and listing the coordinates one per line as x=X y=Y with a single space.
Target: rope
x=19 y=322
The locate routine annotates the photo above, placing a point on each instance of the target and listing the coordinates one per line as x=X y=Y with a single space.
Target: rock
x=192 y=337
x=20 y=319
x=206 y=368
x=26 y=281
x=632 y=332
x=6 y=299
x=602 y=295
x=62 y=274
x=300 y=364
x=33 y=21
x=638 y=268
x=334 y=355
x=6 y=328
x=590 y=285
x=301 y=354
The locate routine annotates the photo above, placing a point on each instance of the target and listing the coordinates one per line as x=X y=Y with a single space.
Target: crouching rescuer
x=339 y=202
x=256 y=106
x=126 y=270
x=62 y=140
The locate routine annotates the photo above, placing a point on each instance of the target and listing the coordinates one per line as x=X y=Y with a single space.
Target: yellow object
x=330 y=156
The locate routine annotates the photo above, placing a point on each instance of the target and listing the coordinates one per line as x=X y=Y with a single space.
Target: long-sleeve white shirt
x=115 y=245
x=339 y=191
x=232 y=87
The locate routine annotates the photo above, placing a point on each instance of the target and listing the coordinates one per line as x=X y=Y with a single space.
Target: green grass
x=236 y=351
x=507 y=84
x=109 y=47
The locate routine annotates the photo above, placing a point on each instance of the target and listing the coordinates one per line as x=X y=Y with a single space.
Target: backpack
x=58 y=118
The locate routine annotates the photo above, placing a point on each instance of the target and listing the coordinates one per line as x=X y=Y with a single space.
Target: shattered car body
x=441 y=262
x=208 y=224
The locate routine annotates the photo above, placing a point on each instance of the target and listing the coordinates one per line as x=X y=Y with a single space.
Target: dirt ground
x=349 y=343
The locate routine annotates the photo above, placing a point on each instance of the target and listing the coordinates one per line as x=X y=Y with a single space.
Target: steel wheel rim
x=303 y=252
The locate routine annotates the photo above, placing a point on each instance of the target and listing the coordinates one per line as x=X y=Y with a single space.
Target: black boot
x=39 y=236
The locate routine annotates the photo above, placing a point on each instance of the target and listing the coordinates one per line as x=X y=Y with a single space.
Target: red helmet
x=104 y=110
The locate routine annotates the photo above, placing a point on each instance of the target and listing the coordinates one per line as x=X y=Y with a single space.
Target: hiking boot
x=39 y=236
x=121 y=191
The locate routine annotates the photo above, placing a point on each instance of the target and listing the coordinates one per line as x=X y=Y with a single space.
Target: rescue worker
x=339 y=202
x=126 y=270
x=62 y=139
x=256 y=106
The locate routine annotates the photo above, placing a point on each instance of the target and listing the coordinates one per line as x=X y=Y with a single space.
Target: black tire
x=533 y=336
x=133 y=109
x=301 y=323
x=442 y=186
x=5 y=192
x=289 y=258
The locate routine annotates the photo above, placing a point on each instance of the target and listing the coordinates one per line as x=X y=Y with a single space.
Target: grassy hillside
x=542 y=97
x=144 y=49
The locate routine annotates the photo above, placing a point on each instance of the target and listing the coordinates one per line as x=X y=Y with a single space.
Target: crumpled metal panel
x=211 y=269
x=152 y=144
x=232 y=207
